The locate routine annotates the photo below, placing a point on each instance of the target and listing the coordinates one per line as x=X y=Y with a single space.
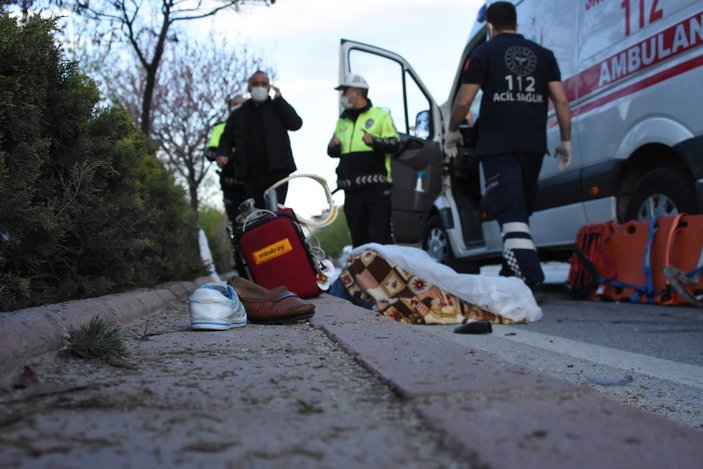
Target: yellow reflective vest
x=216 y=134
x=378 y=123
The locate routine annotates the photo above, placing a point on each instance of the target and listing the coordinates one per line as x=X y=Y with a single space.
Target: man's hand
x=451 y=141
x=222 y=161
x=367 y=138
x=563 y=152
x=276 y=91
x=334 y=142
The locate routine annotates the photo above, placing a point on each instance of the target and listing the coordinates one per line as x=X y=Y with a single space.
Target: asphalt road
x=647 y=356
x=669 y=333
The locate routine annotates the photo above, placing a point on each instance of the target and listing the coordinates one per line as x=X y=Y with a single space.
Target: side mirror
x=422 y=125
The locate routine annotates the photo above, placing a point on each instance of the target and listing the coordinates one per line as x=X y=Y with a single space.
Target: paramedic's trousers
x=511 y=192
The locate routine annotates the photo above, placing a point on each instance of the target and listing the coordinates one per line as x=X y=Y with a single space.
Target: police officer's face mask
x=345 y=100
x=345 y=103
x=259 y=94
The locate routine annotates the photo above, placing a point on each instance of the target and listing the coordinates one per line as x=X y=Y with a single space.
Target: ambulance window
x=601 y=27
x=392 y=88
x=608 y=27
x=555 y=28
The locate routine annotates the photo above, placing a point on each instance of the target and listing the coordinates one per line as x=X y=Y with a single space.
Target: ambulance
x=633 y=71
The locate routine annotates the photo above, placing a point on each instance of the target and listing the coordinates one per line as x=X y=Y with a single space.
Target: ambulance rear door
x=417 y=168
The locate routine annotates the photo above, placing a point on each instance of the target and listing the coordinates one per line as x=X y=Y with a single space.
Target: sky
x=300 y=38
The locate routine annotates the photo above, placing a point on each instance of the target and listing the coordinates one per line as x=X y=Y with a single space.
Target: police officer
x=364 y=139
x=233 y=192
x=517 y=77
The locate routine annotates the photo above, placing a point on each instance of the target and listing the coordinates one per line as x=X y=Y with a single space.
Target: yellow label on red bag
x=272 y=251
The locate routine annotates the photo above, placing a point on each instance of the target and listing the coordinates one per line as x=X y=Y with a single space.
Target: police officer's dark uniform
x=514 y=74
x=233 y=192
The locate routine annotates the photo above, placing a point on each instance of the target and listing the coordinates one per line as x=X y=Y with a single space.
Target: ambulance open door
x=417 y=168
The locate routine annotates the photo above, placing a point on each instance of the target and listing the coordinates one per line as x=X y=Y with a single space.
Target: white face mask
x=259 y=94
x=345 y=103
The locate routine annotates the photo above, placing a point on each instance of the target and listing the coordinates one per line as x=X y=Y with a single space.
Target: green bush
x=85 y=207
x=334 y=237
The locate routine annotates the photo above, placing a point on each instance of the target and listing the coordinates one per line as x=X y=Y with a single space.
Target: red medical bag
x=276 y=253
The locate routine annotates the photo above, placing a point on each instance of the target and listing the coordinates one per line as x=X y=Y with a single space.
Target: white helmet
x=216 y=306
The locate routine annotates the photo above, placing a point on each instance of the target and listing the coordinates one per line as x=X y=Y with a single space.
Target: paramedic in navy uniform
x=516 y=76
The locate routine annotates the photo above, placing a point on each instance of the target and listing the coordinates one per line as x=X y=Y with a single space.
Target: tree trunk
x=153 y=67
x=193 y=192
x=146 y=99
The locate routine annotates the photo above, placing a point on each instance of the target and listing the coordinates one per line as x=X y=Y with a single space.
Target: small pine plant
x=96 y=339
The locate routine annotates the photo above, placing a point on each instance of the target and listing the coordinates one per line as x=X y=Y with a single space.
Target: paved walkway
x=348 y=389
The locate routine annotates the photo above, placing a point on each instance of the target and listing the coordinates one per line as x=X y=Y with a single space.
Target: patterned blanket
x=405 y=297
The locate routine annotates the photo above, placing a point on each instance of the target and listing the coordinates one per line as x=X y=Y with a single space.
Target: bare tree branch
x=190 y=96
x=146 y=29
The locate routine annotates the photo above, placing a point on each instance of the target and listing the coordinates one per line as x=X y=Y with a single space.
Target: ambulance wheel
x=662 y=192
x=436 y=243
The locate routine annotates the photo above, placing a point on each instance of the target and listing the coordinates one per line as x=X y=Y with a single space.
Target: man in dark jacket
x=258 y=132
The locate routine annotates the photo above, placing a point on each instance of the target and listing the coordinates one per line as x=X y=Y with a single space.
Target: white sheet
x=506 y=296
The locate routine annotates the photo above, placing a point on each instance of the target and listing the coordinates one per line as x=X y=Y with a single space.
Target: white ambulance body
x=633 y=71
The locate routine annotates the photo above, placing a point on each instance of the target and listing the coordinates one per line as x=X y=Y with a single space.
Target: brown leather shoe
x=276 y=306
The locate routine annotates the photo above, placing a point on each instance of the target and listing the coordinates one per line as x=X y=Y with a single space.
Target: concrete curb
x=29 y=332
x=497 y=414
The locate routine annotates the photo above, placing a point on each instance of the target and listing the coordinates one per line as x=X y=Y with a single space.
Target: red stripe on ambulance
x=640 y=85
x=668 y=43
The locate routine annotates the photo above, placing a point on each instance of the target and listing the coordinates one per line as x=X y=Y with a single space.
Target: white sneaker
x=216 y=307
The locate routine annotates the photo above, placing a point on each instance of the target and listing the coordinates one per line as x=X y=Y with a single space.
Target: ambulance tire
x=663 y=191
x=436 y=243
